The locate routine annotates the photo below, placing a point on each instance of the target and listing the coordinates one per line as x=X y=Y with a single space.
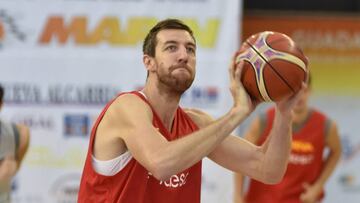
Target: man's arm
x=313 y=191
x=127 y=125
x=252 y=135
x=266 y=163
x=160 y=157
x=11 y=164
x=24 y=135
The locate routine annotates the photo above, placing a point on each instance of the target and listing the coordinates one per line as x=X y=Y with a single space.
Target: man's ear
x=149 y=63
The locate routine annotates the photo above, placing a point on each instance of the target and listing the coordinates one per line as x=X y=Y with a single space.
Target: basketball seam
x=296 y=47
x=258 y=88
x=277 y=73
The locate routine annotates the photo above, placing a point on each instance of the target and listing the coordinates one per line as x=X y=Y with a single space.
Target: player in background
x=14 y=142
x=308 y=170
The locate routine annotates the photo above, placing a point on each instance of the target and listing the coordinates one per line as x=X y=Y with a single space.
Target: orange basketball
x=274 y=67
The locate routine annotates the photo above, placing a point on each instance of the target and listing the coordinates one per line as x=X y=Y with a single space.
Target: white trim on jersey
x=112 y=166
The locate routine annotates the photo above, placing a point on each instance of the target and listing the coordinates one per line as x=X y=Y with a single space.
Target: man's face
x=175 y=59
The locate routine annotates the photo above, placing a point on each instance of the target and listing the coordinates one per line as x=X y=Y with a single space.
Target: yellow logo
x=301 y=146
x=110 y=30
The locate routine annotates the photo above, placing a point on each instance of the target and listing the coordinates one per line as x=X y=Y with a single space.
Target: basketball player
x=145 y=148
x=307 y=172
x=14 y=142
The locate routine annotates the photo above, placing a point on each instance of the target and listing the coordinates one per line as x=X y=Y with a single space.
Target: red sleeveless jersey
x=305 y=162
x=134 y=184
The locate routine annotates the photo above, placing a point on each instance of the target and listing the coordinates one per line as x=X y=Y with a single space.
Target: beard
x=180 y=83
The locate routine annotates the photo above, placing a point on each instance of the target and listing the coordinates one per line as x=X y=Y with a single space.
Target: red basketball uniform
x=134 y=184
x=305 y=162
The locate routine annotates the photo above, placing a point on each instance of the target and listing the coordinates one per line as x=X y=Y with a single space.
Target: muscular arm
x=252 y=135
x=127 y=125
x=266 y=163
x=262 y=163
x=130 y=119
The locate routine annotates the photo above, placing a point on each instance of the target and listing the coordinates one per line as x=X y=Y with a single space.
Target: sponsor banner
x=62 y=60
x=330 y=42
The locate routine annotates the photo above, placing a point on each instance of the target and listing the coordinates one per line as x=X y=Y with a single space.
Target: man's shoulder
x=127 y=105
x=127 y=99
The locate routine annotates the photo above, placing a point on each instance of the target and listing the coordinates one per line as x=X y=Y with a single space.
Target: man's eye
x=171 y=48
x=190 y=50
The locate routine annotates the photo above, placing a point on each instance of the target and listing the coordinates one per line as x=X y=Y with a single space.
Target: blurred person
x=145 y=148
x=308 y=169
x=14 y=142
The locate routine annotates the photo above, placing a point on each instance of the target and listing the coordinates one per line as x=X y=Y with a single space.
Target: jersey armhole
x=112 y=166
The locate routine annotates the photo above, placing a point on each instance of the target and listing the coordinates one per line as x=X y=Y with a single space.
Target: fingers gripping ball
x=274 y=67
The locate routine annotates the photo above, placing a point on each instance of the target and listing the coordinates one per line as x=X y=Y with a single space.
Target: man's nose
x=183 y=55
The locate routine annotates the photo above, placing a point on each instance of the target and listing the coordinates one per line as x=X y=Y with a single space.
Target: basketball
x=274 y=66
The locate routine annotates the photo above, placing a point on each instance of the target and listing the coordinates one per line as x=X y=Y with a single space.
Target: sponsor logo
x=27 y=93
x=349 y=181
x=301 y=159
x=9 y=29
x=350 y=148
x=72 y=94
x=327 y=40
x=22 y=93
x=34 y=121
x=301 y=152
x=65 y=188
x=114 y=31
x=301 y=146
x=76 y=125
x=176 y=180
x=51 y=157
x=207 y=95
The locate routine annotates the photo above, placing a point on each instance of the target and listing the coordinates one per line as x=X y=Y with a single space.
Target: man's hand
x=286 y=105
x=242 y=100
x=8 y=168
x=311 y=193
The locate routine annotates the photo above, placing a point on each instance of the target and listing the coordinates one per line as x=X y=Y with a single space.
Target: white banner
x=62 y=60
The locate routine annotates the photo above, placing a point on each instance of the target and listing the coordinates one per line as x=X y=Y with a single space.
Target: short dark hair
x=150 y=39
x=1 y=93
